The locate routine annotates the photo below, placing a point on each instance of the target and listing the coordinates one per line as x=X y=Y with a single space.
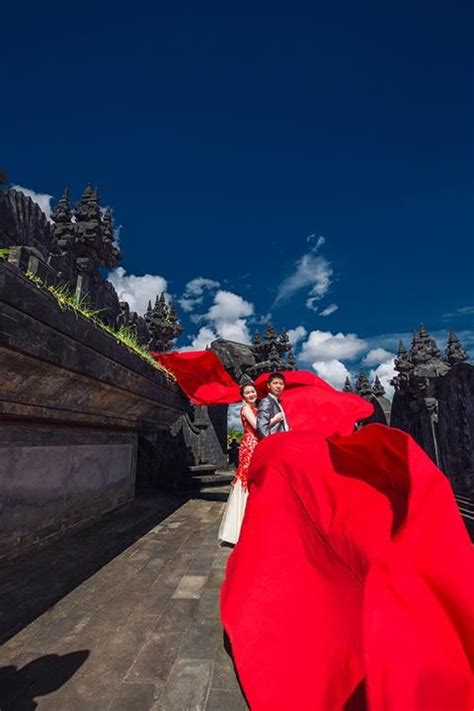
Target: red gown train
x=352 y=584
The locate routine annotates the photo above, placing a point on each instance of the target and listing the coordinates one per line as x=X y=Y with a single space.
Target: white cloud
x=310 y=270
x=463 y=311
x=333 y=371
x=117 y=232
x=202 y=340
x=319 y=241
x=377 y=356
x=329 y=310
x=260 y=320
x=228 y=307
x=226 y=318
x=236 y=331
x=324 y=346
x=137 y=290
x=194 y=292
x=385 y=372
x=41 y=199
x=297 y=334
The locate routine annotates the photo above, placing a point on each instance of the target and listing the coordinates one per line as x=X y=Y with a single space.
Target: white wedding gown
x=231 y=523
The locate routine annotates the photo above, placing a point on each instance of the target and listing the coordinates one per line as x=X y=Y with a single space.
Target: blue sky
x=229 y=139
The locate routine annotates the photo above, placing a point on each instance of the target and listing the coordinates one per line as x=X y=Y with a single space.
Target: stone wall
x=79 y=413
x=53 y=478
x=434 y=402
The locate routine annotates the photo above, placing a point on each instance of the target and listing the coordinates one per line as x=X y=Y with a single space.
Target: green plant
x=68 y=300
x=232 y=433
x=125 y=336
x=4 y=252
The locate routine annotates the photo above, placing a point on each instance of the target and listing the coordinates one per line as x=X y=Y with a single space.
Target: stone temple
x=112 y=484
x=59 y=368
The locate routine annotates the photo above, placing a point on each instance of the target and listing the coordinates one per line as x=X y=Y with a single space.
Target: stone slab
x=119 y=638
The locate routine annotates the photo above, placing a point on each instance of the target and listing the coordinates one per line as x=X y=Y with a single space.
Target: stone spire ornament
x=347 y=388
x=270 y=338
x=362 y=386
x=62 y=212
x=377 y=388
x=291 y=360
x=403 y=365
x=163 y=324
x=284 y=344
x=111 y=251
x=88 y=209
x=273 y=352
x=274 y=358
x=423 y=347
x=63 y=227
x=256 y=340
x=455 y=352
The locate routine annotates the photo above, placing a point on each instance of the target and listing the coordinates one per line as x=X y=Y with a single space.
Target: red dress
x=246 y=449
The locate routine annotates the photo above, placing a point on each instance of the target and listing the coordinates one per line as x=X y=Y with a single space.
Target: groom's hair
x=276 y=376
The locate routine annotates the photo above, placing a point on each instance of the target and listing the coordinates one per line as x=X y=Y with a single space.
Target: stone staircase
x=205 y=478
x=466 y=509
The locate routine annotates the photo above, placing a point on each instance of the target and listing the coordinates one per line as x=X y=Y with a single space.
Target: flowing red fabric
x=351 y=586
x=201 y=376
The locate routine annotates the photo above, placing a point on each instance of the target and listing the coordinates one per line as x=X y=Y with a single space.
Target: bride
x=229 y=530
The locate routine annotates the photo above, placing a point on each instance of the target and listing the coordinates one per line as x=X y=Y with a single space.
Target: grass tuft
x=68 y=300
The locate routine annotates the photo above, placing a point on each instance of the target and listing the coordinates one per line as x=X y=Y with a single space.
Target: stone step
x=197 y=469
x=192 y=486
x=466 y=509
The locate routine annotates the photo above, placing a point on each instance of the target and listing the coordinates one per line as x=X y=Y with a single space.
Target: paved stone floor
x=123 y=615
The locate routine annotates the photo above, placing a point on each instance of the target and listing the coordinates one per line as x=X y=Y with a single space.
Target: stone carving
x=70 y=251
x=272 y=353
x=162 y=323
x=433 y=392
x=237 y=358
x=23 y=224
x=363 y=387
x=347 y=388
x=134 y=323
x=93 y=234
x=455 y=353
x=377 y=388
x=433 y=402
x=374 y=394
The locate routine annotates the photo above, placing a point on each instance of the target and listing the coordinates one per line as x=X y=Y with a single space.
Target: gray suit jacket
x=267 y=408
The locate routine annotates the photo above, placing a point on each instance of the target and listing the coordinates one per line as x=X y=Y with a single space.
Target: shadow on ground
x=32 y=584
x=20 y=687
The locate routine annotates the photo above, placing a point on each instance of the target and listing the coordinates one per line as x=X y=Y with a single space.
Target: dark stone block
x=230 y=700
x=134 y=697
x=187 y=686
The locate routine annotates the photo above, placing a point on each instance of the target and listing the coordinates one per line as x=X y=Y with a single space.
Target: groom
x=271 y=416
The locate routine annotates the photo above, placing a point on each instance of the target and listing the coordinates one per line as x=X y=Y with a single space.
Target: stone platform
x=123 y=615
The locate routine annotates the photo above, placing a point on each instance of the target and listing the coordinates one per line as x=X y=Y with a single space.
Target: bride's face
x=249 y=394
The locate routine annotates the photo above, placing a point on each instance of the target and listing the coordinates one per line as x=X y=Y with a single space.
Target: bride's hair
x=245 y=385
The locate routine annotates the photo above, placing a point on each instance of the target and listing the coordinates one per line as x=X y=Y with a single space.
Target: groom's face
x=276 y=386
